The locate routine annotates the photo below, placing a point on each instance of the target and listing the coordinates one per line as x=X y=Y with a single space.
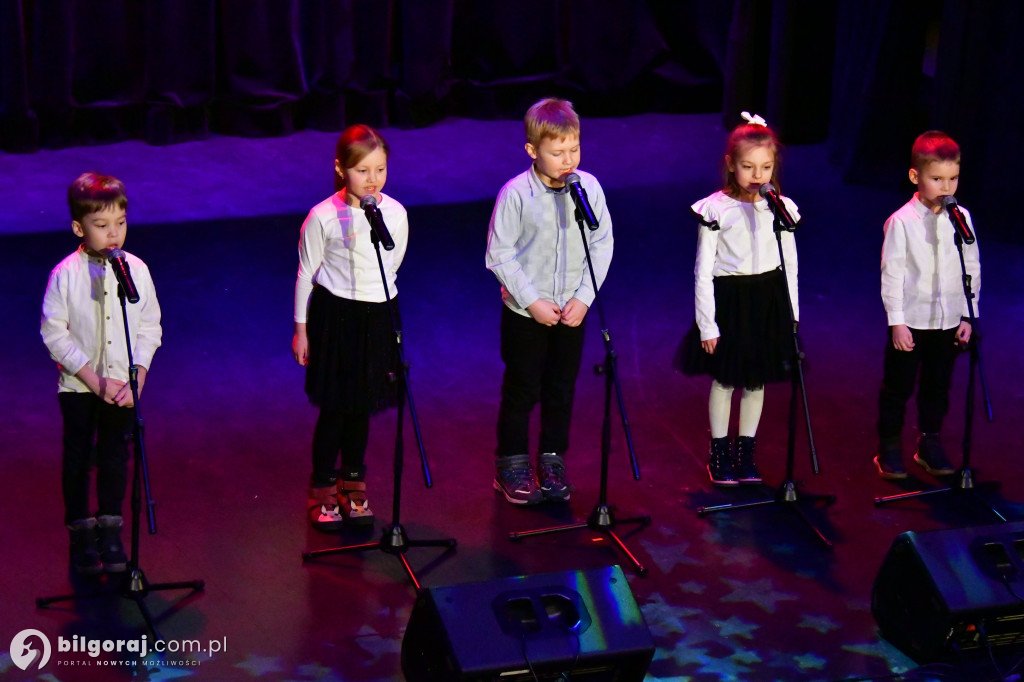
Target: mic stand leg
x=394 y=540
x=787 y=495
x=963 y=479
x=602 y=518
x=134 y=585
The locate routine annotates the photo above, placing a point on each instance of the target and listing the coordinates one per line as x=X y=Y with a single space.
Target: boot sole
x=516 y=501
x=932 y=470
x=889 y=475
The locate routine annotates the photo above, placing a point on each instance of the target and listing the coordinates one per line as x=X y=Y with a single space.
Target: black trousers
x=91 y=425
x=339 y=431
x=930 y=365
x=541 y=365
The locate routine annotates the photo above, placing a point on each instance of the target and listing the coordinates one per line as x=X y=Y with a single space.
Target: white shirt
x=82 y=323
x=534 y=246
x=743 y=244
x=922 y=282
x=336 y=252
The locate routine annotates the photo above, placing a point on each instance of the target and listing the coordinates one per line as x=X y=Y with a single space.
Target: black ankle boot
x=111 y=550
x=84 y=558
x=746 y=470
x=721 y=468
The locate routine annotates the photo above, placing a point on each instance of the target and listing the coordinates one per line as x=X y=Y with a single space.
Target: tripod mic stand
x=602 y=519
x=787 y=495
x=394 y=540
x=964 y=478
x=134 y=584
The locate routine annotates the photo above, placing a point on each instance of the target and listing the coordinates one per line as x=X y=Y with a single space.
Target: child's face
x=935 y=180
x=752 y=167
x=554 y=158
x=103 y=230
x=366 y=177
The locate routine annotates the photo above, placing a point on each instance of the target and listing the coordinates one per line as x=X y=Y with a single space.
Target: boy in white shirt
x=83 y=328
x=923 y=294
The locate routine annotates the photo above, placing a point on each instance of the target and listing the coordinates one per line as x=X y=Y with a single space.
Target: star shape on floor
x=667 y=557
x=822 y=624
x=746 y=656
x=735 y=626
x=321 y=673
x=258 y=666
x=692 y=587
x=896 y=660
x=810 y=661
x=664 y=618
x=371 y=641
x=759 y=592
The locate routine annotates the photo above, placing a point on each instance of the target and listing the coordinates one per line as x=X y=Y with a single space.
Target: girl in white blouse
x=742 y=334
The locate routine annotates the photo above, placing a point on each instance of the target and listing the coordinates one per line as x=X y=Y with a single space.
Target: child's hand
x=112 y=390
x=963 y=334
x=902 y=339
x=709 y=345
x=545 y=312
x=574 y=312
x=300 y=346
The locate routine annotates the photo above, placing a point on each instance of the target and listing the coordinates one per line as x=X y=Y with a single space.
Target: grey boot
x=111 y=550
x=84 y=558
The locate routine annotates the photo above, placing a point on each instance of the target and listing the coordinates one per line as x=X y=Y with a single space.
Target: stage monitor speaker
x=944 y=593
x=585 y=623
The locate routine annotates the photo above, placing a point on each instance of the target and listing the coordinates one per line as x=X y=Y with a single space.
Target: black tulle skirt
x=353 y=358
x=756 y=343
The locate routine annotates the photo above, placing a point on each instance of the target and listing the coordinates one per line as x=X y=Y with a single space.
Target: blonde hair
x=750 y=135
x=354 y=145
x=92 y=192
x=551 y=118
x=933 y=145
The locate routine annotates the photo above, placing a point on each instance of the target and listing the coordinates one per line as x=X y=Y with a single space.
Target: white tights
x=720 y=405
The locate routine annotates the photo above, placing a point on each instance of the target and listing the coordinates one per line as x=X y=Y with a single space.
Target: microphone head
x=766 y=189
x=115 y=254
x=948 y=201
x=572 y=179
x=369 y=201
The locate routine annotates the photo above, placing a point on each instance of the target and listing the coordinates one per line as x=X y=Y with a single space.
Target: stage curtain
x=77 y=72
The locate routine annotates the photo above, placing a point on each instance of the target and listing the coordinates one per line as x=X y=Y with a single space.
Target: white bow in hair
x=753 y=119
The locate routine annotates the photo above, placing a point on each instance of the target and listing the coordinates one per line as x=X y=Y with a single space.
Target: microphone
x=768 y=192
x=119 y=264
x=380 y=231
x=579 y=197
x=957 y=218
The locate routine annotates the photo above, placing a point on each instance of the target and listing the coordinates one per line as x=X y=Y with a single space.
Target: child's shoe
x=721 y=467
x=353 y=504
x=514 y=478
x=931 y=456
x=746 y=471
x=889 y=461
x=84 y=558
x=111 y=550
x=551 y=477
x=324 y=514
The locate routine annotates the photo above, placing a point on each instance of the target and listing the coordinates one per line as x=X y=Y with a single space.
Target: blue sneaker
x=551 y=477
x=514 y=478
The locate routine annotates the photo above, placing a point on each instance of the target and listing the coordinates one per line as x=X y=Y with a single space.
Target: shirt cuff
x=896 y=317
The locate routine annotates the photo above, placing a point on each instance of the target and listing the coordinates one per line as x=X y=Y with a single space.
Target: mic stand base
x=393 y=541
x=963 y=484
x=133 y=586
x=601 y=521
x=788 y=498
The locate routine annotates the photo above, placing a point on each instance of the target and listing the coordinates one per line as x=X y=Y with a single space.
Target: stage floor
x=743 y=595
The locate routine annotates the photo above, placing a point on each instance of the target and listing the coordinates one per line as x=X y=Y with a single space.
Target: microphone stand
x=964 y=477
x=787 y=494
x=394 y=540
x=602 y=519
x=134 y=584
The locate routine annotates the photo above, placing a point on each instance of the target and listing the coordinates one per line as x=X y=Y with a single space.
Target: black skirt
x=756 y=343
x=353 y=357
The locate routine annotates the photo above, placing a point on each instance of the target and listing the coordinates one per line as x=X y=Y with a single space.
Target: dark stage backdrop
x=865 y=75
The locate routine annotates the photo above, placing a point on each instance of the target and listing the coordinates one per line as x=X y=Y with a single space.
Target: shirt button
x=108 y=343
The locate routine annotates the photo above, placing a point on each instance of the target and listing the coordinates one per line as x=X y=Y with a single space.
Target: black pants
x=339 y=431
x=930 y=363
x=93 y=425
x=541 y=364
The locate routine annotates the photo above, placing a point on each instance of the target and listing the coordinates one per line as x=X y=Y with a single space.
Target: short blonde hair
x=551 y=118
x=933 y=145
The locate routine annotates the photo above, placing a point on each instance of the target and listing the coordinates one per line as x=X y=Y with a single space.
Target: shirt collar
x=538 y=186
